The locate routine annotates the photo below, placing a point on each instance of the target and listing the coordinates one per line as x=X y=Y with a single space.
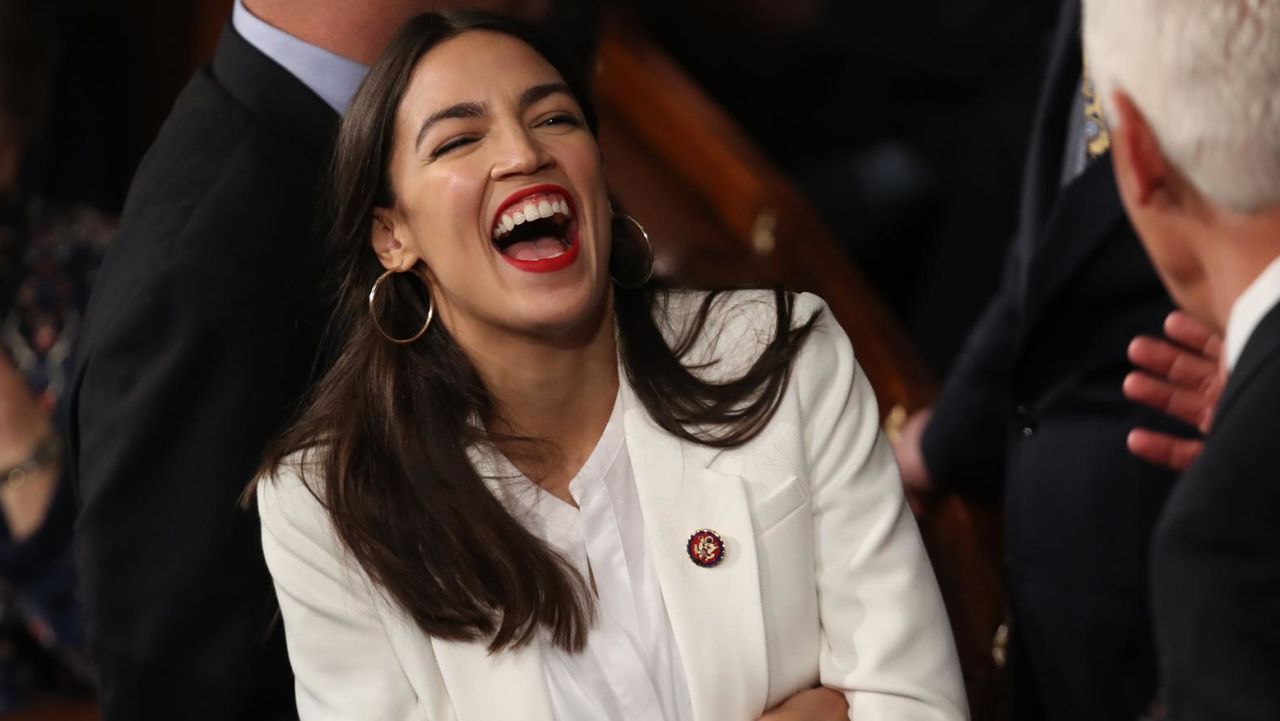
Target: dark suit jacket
x=198 y=343
x=1216 y=562
x=1033 y=414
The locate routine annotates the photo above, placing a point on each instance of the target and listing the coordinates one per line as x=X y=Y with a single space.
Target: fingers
x=1193 y=334
x=1183 y=379
x=1163 y=449
x=1178 y=364
x=910 y=457
x=1189 y=405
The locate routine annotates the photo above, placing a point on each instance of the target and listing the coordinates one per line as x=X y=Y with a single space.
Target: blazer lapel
x=1059 y=226
x=716 y=613
x=1087 y=211
x=484 y=686
x=1043 y=170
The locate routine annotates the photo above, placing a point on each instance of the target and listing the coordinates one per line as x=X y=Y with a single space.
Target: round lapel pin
x=705 y=547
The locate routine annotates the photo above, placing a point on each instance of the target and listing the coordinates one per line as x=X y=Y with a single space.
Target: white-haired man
x=1192 y=93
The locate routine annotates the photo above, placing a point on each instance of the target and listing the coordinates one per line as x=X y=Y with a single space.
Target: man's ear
x=1141 y=169
x=387 y=238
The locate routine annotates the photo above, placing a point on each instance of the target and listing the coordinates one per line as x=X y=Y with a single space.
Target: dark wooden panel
x=56 y=711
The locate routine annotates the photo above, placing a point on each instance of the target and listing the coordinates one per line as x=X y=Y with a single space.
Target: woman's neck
x=562 y=393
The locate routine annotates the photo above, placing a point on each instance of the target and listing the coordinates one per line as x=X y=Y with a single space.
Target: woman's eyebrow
x=457 y=110
x=538 y=92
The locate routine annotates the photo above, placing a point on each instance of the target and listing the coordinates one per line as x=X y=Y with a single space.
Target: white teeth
x=547 y=206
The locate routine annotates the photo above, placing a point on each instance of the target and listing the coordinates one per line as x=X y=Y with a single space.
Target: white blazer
x=825 y=579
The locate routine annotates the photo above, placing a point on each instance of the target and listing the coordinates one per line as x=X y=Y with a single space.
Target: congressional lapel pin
x=705 y=547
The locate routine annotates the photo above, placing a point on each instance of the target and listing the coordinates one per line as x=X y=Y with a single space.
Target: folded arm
x=887 y=639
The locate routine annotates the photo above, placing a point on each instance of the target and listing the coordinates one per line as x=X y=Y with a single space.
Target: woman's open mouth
x=536 y=230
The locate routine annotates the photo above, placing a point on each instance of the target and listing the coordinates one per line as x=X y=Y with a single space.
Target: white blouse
x=630 y=669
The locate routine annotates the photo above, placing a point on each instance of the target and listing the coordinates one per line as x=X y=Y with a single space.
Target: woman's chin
x=557 y=313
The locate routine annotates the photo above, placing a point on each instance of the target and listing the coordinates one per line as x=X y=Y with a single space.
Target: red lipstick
x=571 y=237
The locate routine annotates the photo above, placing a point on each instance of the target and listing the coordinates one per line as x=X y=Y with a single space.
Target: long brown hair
x=389 y=427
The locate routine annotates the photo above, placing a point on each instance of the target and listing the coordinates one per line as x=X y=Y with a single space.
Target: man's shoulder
x=211 y=143
x=1244 y=431
x=217 y=189
x=218 y=180
x=1219 y=524
x=204 y=124
x=1235 y=473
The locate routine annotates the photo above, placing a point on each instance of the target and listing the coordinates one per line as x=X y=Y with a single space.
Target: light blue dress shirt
x=329 y=75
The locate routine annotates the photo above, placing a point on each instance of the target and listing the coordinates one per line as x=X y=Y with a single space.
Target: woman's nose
x=520 y=154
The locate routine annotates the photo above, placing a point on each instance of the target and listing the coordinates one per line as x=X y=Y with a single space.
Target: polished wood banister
x=56 y=711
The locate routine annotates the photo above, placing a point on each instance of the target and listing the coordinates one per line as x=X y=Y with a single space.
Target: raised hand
x=906 y=439
x=1181 y=376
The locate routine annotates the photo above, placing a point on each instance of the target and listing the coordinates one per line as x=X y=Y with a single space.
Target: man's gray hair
x=1206 y=76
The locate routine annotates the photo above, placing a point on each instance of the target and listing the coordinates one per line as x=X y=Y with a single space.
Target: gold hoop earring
x=644 y=234
x=373 y=311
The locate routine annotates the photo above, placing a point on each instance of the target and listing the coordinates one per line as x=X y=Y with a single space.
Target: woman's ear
x=389 y=243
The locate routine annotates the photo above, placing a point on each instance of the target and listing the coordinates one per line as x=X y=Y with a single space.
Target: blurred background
x=869 y=151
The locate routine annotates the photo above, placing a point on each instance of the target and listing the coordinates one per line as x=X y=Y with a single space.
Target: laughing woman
x=534 y=486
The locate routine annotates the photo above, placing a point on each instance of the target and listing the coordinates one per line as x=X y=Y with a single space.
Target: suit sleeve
x=964 y=444
x=178 y=397
x=886 y=638
x=345 y=666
